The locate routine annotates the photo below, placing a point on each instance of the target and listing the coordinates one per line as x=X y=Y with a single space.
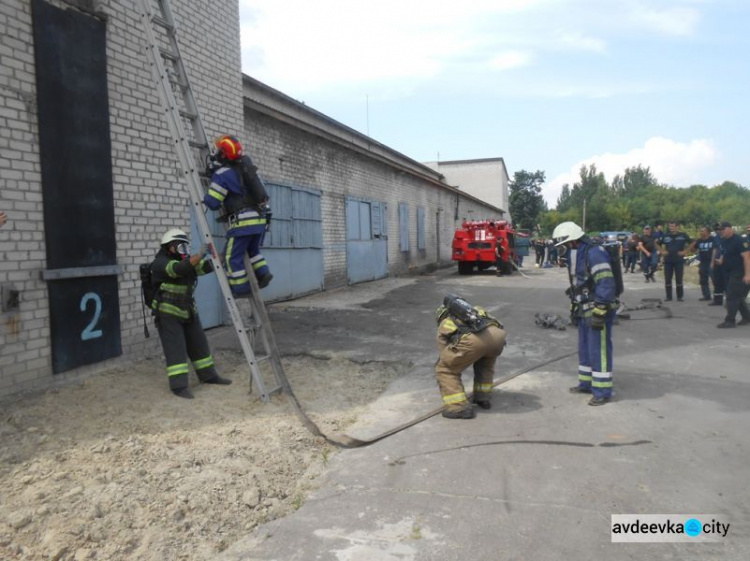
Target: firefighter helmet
x=174 y=235
x=229 y=147
x=567 y=232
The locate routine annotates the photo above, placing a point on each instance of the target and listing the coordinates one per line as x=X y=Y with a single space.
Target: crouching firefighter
x=174 y=275
x=237 y=186
x=593 y=292
x=466 y=336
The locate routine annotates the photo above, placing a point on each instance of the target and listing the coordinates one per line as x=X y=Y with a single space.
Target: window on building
x=403 y=223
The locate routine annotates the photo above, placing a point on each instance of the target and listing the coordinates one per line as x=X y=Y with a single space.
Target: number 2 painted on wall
x=90 y=332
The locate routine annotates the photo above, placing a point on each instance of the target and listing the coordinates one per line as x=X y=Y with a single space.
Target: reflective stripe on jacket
x=175 y=279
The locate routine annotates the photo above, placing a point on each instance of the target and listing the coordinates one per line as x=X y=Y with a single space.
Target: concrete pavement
x=538 y=476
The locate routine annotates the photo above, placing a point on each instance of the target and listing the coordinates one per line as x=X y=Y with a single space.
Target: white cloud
x=671 y=162
x=679 y=21
x=509 y=60
x=581 y=42
x=305 y=46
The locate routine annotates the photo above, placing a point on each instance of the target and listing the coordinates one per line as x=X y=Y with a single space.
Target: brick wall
x=296 y=155
x=148 y=197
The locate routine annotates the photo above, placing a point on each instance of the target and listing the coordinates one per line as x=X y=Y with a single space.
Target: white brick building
x=292 y=144
x=484 y=178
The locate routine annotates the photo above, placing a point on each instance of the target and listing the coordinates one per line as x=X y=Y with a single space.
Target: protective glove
x=598 y=315
x=204 y=250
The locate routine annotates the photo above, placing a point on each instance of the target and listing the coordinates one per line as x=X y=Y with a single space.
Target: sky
x=547 y=85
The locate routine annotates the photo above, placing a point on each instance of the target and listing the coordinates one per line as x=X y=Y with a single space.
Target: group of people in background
x=547 y=254
x=723 y=259
x=722 y=255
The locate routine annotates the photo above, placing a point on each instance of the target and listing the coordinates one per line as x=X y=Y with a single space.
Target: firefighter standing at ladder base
x=237 y=186
x=174 y=275
x=593 y=296
x=466 y=336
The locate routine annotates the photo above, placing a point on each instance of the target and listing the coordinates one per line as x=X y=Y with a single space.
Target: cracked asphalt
x=538 y=476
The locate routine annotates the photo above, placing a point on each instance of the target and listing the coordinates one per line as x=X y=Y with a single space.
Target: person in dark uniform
x=631 y=253
x=705 y=246
x=539 y=250
x=672 y=247
x=649 y=254
x=499 y=252
x=736 y=265
x=717 y=270
x=174 y=273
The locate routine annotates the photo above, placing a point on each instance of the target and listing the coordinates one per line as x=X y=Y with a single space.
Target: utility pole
x=584 y=215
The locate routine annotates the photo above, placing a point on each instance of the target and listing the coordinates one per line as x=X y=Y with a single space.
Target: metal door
x=366 y=240
x=293 y=245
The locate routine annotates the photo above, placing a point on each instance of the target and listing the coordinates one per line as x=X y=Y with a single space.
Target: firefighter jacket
x=243 y=216
x=451 y=329
x=174 y=279
x=591 y=275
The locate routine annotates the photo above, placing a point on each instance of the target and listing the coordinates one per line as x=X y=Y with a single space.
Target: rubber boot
x=718 y=300
x=466 y=413
x=680 y=292
x=669 y=292
x=184 y=393
x=483 y=403
x=265 y=280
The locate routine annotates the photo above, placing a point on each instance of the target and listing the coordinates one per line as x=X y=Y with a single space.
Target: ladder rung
x=273 y=391
x=196 y=144
x=188 y=115
x=166 y=53
x=262 y=358
x=181 y=85
x=158 y=20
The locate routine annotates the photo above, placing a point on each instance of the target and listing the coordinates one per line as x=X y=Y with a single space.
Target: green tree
x=526 y=200
x=563 y=201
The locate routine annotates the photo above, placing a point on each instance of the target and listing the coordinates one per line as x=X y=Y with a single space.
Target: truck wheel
x=465 y=268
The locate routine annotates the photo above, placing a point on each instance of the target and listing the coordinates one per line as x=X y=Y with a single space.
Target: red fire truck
x=474 y=245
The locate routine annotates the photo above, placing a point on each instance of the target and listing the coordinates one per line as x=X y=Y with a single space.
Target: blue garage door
x=294 y=244
x=293 y=248
x=366 y=240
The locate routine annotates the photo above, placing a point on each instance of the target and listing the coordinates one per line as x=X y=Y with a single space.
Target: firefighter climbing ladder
x=169 y=74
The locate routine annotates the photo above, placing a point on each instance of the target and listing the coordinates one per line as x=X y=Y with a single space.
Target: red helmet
x=229 y=147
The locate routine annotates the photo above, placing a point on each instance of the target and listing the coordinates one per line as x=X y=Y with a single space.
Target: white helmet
x=174 y=235
x=567 y=232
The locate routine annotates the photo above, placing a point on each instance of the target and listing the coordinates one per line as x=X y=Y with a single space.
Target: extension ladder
x=180 y=109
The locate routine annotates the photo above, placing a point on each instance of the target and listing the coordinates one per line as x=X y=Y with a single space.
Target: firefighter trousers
x=480 y=349
x=180 y=340
x=595 y=356
x=234 y=256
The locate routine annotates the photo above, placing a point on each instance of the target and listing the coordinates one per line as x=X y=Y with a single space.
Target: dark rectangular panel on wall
x=76 y=165
x=84 y=321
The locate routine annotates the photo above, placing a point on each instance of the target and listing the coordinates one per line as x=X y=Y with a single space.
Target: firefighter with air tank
x=237 y=187
x=593 y=294
x=466 y=336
